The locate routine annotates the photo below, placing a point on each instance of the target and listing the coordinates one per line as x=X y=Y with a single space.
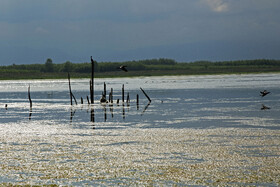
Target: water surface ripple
x=198 y=130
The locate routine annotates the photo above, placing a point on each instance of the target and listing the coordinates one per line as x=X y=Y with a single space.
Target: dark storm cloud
x=33 y=30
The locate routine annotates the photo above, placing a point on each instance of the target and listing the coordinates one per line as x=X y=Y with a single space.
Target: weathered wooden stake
x=88 y=100
x=82 y=101
x=127 y=98
x=110 y=97
x=92 y=81
x=123 y=93
x=90 y=88
x=30 y=101
x=104 y=93
x=70 y=92
x=29 y=97
x=74 y=98
x=146 y=95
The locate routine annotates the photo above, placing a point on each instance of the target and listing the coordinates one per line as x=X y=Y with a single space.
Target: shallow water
x=177 y=102
x=198 y=130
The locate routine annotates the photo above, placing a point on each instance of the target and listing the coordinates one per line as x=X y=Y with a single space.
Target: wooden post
x=74 y=98
x=29 y=97
x=90 y=88
x=88 y=100
x=104 y=93
x=146 y=95
x=111 y=96
x=70 y=92
x=123 y=93
x=82 y=101
x=127 y=98
x=92 y=81
x=30 y=101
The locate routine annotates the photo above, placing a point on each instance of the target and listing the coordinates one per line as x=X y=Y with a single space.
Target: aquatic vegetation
x=139 y=156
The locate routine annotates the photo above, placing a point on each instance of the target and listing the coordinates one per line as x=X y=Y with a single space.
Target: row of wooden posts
x=91 y=100
x=104 y=93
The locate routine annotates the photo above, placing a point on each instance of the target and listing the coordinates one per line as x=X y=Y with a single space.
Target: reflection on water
x=209 y=130
x=30 y=113
x=146 y=107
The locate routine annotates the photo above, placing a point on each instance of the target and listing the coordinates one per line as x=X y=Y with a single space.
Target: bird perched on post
x=123 y=68
x=264 y=93
x=91 y=59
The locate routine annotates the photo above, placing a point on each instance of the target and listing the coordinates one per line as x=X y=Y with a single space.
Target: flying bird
x=264 y=93
x=123 y=68
x=264 y=107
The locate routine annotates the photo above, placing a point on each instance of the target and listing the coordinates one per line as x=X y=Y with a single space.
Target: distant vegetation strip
x=150 y=67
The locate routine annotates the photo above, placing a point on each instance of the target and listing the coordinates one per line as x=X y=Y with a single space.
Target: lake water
x=198 y=130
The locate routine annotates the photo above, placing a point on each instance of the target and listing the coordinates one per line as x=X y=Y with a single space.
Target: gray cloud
x=110 y=30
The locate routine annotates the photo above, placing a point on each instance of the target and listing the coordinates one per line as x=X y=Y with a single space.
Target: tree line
x=161 y=64
x=85 y=67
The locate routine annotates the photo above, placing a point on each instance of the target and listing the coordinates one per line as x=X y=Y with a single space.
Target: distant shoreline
x=152 y=67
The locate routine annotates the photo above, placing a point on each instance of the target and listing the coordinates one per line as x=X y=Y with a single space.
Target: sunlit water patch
x=133 y=156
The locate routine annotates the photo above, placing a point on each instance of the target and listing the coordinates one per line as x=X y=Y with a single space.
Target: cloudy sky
x=117 y=30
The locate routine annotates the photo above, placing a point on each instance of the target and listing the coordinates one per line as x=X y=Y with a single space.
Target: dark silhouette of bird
x=91 y=59
x=265 y=107
x=123 y=68
x=103 y=99
x=264 y=93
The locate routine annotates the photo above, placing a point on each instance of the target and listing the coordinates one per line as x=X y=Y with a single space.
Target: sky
x=121 y=30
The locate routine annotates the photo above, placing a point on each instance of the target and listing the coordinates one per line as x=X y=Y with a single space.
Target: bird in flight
x=265 y=107
x=123 y=68
x=264 y=93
